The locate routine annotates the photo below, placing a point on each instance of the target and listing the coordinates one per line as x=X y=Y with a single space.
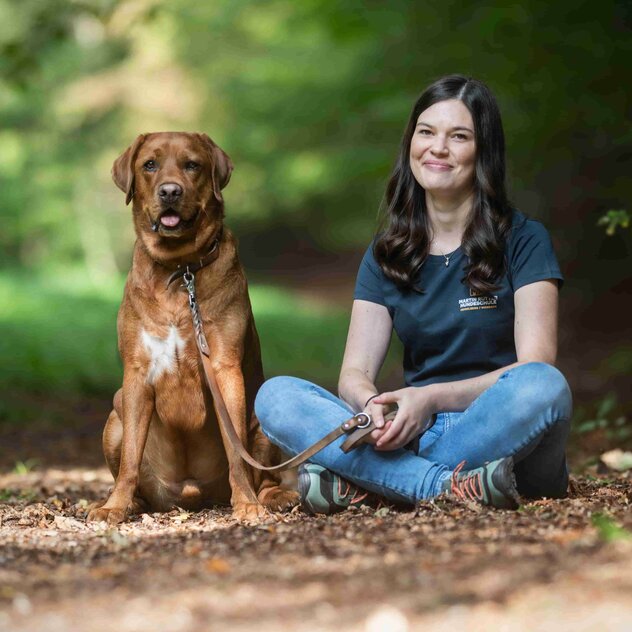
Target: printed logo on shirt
x=477 y=301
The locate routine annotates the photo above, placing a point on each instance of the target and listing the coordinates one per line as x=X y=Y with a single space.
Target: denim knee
x=545 y=386
x=269 y=399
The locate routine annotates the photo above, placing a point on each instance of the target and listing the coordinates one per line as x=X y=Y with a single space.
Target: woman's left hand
x=416 y=404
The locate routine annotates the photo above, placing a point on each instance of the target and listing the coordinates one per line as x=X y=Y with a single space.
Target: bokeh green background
x=309 y=98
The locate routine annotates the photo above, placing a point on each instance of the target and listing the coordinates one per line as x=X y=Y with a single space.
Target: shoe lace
x=468 y=486
x=358 y=494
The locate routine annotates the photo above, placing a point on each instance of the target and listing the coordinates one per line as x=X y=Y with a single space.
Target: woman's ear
x=222 y=166
x=123 y=168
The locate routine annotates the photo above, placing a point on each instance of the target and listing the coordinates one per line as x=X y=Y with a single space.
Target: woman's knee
x=543 y=385
x=270 y=398
x=279 y=401
x=272 y=389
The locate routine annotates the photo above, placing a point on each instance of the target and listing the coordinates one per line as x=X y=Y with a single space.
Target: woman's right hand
x=377 y=412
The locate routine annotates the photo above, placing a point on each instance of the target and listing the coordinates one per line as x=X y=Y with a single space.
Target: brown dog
x=162 y=441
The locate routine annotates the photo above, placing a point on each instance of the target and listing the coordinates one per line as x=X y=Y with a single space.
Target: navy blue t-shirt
x=448 y=332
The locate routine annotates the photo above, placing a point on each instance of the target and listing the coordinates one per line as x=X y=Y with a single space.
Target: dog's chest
x=164 y=353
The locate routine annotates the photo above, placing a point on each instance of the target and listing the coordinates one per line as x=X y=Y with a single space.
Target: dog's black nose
x=169 y=191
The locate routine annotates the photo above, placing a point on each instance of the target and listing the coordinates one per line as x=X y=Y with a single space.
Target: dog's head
x=175 y=180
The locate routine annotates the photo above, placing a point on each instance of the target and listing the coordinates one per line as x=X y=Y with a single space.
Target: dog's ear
x=222 y=166
x=123 y=168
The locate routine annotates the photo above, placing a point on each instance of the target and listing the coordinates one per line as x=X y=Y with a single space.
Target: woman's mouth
x=437 y=166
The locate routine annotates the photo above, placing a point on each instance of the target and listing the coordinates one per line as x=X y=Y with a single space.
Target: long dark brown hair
x=403 y=240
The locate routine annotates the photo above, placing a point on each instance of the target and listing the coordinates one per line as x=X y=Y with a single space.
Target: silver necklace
x=446 y=257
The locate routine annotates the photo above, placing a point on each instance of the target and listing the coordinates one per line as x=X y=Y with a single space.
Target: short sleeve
x=370 y=280
x=531 y=256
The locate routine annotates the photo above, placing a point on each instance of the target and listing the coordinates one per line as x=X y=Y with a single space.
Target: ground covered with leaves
x=564 y=564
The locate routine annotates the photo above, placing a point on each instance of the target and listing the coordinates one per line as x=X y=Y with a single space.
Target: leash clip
x=188 y=282
x=359 y=426
x=364 y=424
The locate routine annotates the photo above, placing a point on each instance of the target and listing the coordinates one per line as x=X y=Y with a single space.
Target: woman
x=470 y=286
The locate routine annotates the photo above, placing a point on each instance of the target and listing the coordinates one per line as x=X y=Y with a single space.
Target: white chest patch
x=162 y=352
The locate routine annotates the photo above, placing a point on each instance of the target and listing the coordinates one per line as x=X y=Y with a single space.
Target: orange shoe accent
x=470 y=487
x=358 y=494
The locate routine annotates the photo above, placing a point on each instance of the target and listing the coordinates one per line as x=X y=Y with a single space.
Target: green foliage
x=309 y=99
x=605 y=419
x=613 y=219
x=24 y=467
x=297 y=339
x=619 y=362
x=608 y=529
x=46 y=48
x=13 y=495
x=59 y=334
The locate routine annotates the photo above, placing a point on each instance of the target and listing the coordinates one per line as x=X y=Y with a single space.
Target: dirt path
x=563 y=565
x=554 y=564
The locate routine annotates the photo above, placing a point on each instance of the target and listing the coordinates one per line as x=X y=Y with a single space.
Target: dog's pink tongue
x=170 y=220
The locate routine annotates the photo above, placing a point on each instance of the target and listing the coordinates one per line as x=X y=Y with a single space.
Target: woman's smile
x=435 y=165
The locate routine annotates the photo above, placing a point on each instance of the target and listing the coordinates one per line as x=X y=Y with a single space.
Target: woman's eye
x=192 y=166
x=425 y=132
x=150 y=165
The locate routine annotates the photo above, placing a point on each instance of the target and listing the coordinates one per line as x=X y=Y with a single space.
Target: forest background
x=309 y=99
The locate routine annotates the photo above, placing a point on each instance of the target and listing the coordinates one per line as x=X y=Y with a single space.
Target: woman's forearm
x=457 y=396
x=354 y=387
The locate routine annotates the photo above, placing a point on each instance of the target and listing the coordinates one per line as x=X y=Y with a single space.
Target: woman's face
x=443 y=149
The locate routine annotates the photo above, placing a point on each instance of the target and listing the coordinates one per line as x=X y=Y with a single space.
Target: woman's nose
x=439 y=145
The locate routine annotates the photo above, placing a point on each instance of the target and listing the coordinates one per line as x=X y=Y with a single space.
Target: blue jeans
x=525 y=414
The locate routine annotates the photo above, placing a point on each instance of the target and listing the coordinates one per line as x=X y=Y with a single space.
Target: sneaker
x=324 y=492
x=492 y=484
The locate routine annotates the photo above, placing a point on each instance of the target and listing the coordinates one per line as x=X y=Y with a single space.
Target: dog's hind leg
x=112 y=437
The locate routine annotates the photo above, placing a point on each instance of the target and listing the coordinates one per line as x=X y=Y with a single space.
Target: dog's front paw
x=112 y=515
x=277 y=499
x=251 y=513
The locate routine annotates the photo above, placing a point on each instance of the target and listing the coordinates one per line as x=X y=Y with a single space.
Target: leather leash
x=357 y=427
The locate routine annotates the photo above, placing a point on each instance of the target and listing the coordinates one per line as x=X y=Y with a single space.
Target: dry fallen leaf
x=217 y=565
x=181 y=517
x=68 y=524
x=617 y=460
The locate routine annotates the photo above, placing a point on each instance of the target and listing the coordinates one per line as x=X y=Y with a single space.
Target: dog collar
x=193 y=267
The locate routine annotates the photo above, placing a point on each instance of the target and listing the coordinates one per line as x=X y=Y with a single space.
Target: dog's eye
x=191 y=165
x=150 y=165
